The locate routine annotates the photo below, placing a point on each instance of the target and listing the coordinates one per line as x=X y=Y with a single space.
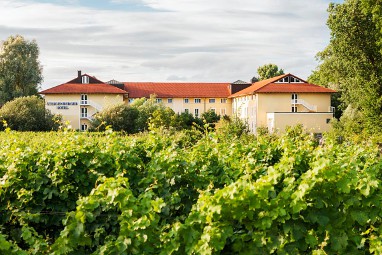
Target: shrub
x=121 y=118
x=29 y=114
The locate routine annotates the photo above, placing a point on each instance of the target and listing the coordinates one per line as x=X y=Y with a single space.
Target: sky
x=169 y=40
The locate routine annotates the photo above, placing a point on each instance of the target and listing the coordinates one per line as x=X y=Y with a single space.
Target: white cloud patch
x=194 y=40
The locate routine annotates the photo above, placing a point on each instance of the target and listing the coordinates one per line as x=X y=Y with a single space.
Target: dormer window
x=85 y=79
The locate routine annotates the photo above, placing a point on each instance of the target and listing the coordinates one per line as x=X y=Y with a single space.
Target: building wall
x=253 y=109
x=246 y=109
x=282 y=102
x=69 y=106
x=178 y=105
x=312 y=122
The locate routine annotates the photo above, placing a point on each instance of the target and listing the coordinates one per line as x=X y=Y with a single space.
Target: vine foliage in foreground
x=187 y=193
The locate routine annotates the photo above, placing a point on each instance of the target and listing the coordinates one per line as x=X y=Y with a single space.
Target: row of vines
x=188 y=193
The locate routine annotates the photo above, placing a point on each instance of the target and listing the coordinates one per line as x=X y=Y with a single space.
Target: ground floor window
x=196 y=112
x=222 y=111
x=84 y=127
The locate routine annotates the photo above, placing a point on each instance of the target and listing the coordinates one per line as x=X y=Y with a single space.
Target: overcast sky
x=169 y=40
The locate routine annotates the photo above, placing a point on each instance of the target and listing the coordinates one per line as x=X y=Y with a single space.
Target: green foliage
x=232 y=127
x=188 y=192
x=163 y=117
x=20 y=69
x=28 y=114
x=210 y=117
x=147 y=114
x=186 y=120
x=352 y=62
x=121 y=118
x=146 y=108
x=268 y=71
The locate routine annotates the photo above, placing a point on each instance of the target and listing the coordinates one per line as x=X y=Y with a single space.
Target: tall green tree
x=352 y=62
x=20 y=69
x=268 y=71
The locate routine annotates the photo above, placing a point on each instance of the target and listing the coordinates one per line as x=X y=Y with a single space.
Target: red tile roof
x=76 y=88
x=170 y=89
x=269 y=86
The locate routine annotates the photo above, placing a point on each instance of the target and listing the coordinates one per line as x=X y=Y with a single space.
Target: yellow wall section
x=72 y=115
x=282 y=102
x=178 y=105
x=312 y=122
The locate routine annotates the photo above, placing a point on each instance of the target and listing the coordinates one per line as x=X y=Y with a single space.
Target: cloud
x=215 y=40
x=176 y=78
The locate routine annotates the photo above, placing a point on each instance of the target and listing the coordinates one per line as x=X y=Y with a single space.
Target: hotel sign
x=62 y=105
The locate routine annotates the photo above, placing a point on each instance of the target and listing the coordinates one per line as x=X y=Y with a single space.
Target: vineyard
x=188 y=192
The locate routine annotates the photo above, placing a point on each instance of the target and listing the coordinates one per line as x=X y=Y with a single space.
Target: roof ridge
x=84 y=87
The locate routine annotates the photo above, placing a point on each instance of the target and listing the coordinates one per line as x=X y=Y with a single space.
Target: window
x=294 y=98
x=84 y=127
x=131 y=100
x=197 y=100
x=222 y=111
x=294 y=108
x=213 y=109
x=196 y=112
x=85 y=79
x=223 y=100
x=186 y=100
x=158 y=100
x=169 y=100
x=84 y=99
x=211 y=100
x=84 y=112
x=289 y=79
x=186 y=110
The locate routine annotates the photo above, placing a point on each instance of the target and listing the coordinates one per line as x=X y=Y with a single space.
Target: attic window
x=289 y=79
x=85 y=79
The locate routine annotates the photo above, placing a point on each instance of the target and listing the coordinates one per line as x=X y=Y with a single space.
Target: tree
x=120 y=117
x=352 y=62
x=28 y=114
x=211 y=118
x=163 y=117
x=186 y=120
x=268 y=71
x=20 y=69
x=146 y=108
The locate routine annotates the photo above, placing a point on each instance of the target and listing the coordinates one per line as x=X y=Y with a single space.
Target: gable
x=287 y=83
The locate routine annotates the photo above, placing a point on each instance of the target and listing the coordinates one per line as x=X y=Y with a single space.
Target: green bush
x=121 y=118
x=28 y=114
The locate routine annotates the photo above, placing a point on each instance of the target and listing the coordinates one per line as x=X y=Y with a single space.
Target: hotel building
x=275 y=103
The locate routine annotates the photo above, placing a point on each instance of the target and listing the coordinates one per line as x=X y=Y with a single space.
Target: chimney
x=79 y=73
